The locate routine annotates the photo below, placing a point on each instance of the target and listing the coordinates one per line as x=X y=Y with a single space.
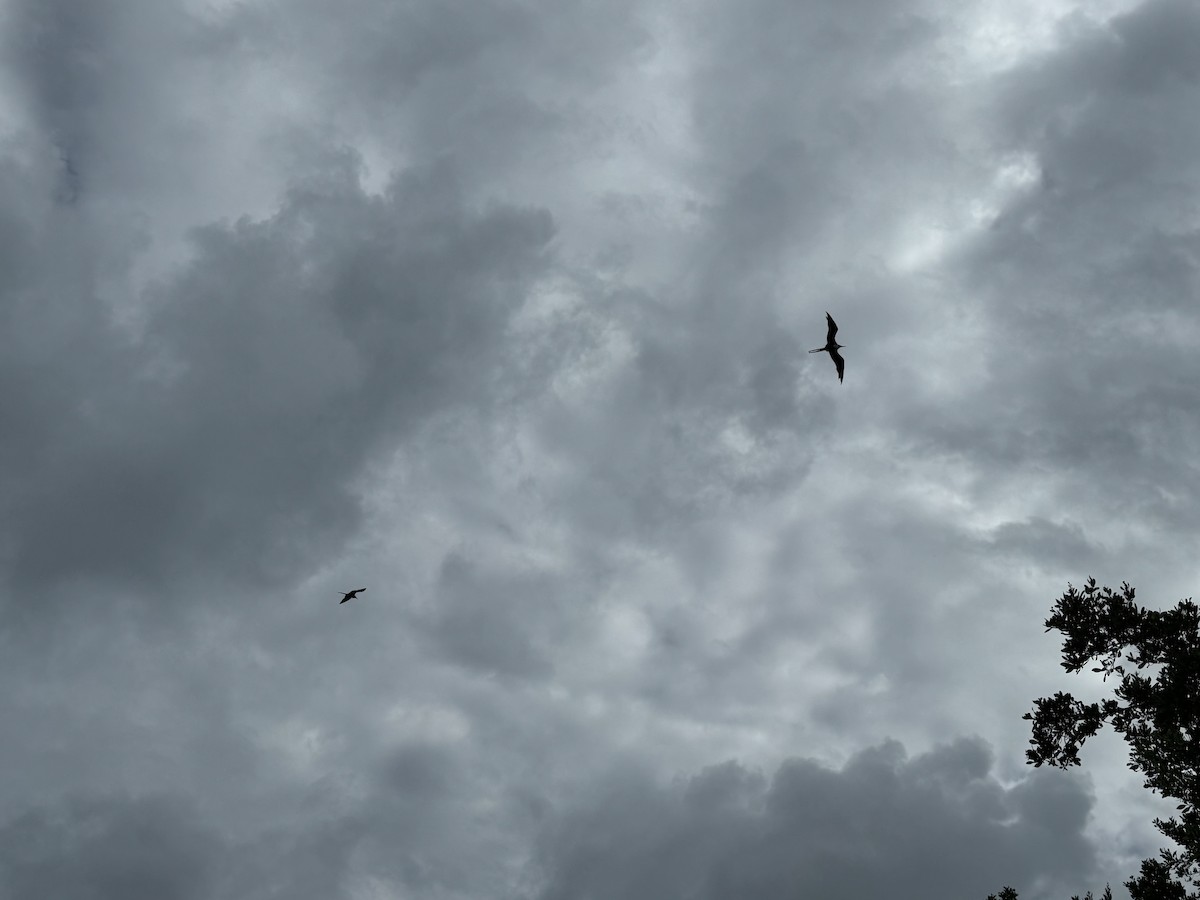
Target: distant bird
x=350 y=595
x=831 y=345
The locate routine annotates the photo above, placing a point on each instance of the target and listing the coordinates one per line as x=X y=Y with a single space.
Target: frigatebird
x=350 y=595
x=831 y=345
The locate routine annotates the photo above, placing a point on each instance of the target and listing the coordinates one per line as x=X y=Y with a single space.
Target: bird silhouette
x=831 y=345
x=350 y=595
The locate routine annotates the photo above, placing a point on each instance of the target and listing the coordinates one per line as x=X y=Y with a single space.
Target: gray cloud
x=502 y=313
x=101 y=848
x=726 y=829
x=492 y=623
x=815 y=831
x=1037 y=539
x=273 y=366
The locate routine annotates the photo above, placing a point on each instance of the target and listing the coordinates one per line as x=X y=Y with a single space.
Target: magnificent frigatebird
x=832 y=345
x=350 y=595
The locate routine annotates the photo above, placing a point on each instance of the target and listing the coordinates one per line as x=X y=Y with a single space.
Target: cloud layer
x=501 y=311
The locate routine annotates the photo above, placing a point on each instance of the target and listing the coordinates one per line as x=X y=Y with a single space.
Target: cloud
x=108 y=848
x=502 y=313
x=1037 y=539
x=493 y=621
x=287 y=354
x=936 y=825
x=1057 y=365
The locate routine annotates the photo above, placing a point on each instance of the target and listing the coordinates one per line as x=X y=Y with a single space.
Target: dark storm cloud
x=109 y=848
x=618 y=513
x=495 y=621
x=1159 y=43
x=1038 y=540
x=272 y=367
x=107 y=84
x=411 y=825
x=938 y=825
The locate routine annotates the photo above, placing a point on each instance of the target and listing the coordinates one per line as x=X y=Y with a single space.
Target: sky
x=500 y=310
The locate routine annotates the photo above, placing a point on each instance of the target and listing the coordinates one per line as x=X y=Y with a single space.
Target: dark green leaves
x=1158 y=715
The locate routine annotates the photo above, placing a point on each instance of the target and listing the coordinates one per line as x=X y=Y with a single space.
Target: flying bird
x=832 y=346
x=350 y=595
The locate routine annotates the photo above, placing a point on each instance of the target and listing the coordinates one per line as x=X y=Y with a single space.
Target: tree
x=1007 y=893
x=1159 y=717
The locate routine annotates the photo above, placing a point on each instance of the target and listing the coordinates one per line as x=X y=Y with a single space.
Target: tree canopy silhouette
x=1158 y=717
x=1010 y=894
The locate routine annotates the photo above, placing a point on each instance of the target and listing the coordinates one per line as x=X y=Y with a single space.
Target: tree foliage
x=1158 y=715
x=1007 y=893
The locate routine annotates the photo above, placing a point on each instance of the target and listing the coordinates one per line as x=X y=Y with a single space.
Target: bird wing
x=839 y=362
x=832 y=329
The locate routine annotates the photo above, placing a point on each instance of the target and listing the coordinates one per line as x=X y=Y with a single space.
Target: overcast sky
x=500 y=309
